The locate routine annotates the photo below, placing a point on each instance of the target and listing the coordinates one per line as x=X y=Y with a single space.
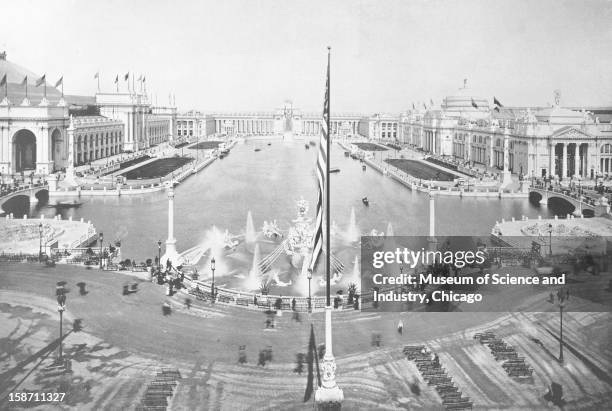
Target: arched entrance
x=56 y=149
x=24 y=151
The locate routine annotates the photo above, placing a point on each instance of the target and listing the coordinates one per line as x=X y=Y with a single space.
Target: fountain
x=389 y=232
x=250 y=235
x=352 y=232
x=253 y=281
x=356 y=277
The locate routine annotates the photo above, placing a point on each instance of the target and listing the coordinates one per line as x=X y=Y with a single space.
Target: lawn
x=370 y=147
x=420 y=170
x=157 y=168
x=206 y=145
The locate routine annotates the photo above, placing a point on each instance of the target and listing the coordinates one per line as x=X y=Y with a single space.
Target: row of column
x=311 y=127
x=559 y=163
x=248 y=126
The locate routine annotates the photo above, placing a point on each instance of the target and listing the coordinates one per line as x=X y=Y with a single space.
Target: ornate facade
x=538 y=142
x=35 y=121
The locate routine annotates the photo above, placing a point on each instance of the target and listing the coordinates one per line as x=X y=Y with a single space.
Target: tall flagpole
x=328 y=396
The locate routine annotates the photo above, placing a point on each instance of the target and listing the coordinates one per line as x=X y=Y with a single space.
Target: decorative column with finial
x=171 y=253
x=433 y=243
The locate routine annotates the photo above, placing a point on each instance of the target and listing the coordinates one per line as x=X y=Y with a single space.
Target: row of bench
x=159 y=392
x=515 y=366
x=433 y=372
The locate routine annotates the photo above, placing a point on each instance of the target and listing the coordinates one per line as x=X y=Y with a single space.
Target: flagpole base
x=62 y=102
x=25 y=102
x=329 y=398
x=44 y=102
x=5 y=102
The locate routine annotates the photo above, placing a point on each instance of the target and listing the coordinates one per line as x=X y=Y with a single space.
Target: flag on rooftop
x=41 y=80
x=59 y=82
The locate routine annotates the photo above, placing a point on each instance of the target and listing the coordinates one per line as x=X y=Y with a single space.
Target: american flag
x=321 y=174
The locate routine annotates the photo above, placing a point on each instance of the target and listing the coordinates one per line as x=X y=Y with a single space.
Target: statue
x=557 y=94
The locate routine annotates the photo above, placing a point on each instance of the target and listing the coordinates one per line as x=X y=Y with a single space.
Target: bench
x=464 y=405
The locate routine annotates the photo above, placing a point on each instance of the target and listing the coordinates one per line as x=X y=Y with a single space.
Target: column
x=564 y=163
x=491 y=152
x=577 y=160
x=585 y=162
x=171 y=253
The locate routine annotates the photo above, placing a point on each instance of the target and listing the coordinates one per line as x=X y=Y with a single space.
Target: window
x=606 y=149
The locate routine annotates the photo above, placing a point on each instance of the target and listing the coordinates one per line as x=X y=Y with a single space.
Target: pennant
x=139 y=78
x=3 y=81
x=413 y=106
x=59 y=82
x=97 y=75
x=117 y=79
x=127 y=76
x=25 y=81
x=496 y=109
x=474 y=104
x=41 y=81
x=496 y=102
x=431 y=101
x=424 y=106
x=144 y=79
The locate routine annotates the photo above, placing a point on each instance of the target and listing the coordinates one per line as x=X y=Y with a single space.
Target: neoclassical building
x=41 y=130
x=538 y=142
x=276 y=122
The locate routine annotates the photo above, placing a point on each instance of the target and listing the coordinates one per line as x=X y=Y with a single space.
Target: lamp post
x=40 y=231
x=309 y=276
x=61 y=306
x=562 y=297
x=159 y=243
x=550 y=230
x=101 y=240
x=212 y=289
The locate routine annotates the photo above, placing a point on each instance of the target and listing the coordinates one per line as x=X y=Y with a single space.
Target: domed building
x=533 y=142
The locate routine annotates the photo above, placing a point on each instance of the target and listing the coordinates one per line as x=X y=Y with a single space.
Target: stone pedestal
x=328 y=396
x=602 y=207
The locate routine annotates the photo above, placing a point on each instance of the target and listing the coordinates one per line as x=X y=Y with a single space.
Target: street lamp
x=101 y=239
x=212 y=267
x=61 y=306
x=550 y=230
x=562 y=297
x=159 y=254
x=40 y=232
x=309 y=276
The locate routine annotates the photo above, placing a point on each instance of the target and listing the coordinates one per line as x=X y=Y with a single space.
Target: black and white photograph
x=305 y=205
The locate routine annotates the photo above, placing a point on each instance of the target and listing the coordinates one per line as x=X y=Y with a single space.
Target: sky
x=253 y=55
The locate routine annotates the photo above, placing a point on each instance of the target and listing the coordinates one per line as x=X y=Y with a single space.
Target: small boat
x=334 y=170
x=257 y=149
x=221 y=156
x=225 y=151
x=365 y=201
x=306 y=146
x=346 y=154
x=363 y=167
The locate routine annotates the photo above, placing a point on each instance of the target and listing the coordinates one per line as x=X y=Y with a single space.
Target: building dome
x=460 y=104
x=16 y=92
